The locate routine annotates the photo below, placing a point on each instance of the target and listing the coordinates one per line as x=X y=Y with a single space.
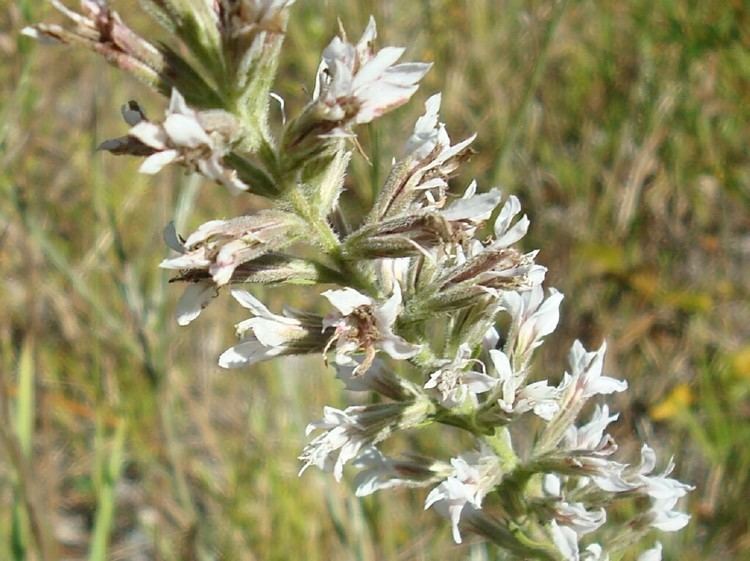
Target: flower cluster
x=419 y=286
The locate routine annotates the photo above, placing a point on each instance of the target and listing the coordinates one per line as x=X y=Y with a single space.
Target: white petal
x=193 y=300
x=477 y=208
x=222 y=273
x=511 y=207
x=346 y=300
x=155 y=162
x=272 y=333
x=425 y=136
x=150 y=134
x=376 y=66
x=364 y=45
x=604 y=386
x=670 y=521
x=478 y=382
x=250 y=302
x=246 y=353
x=648 y=460
x=177 y=104
x=205 y=231
x=653 y=554
x=386 y=314
x=566 y=540
x=502 y=364
x=548 y=315
x=490 y=339
x=398 y=348
x=185 y=131
x=193 y=260
x=551 y=485
x=517 y=232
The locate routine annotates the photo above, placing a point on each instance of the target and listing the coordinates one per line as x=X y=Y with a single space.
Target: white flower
x=474 y=475
x=343 y=438
x=194 y=299
x=591 y=436
x=380 y=472
x=433 y=158
x=355 y=84
x=664 y=492
x=505 y=235
x=362 y=324
x=586 y=378
x=349 y=433
x=659 y=486
x=566 y=541
x=220 y=246
x=198 y=140
x=455 y=381
x=653 y=554
x=577 y=517
x=533 y=317
x=267 y=335
x=518 y=398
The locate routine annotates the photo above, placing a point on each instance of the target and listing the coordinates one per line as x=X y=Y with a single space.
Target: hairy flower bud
x=102 y=30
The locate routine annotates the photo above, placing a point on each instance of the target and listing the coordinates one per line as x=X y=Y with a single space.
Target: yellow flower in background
x=740 y=363
x=678 y=400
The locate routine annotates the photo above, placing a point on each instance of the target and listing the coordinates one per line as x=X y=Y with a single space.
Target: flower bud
x=102 y=30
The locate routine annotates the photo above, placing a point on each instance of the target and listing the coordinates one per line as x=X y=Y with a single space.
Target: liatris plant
x=414 y=291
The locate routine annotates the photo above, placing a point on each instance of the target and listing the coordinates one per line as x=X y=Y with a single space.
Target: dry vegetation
x=622 y=126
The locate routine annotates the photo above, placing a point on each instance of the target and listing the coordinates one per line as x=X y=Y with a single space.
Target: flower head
x=356 y=84
x=348 y=434
x=196 y=139
x=363 y=325
x=474 y=475
x=221 y=246
x=517 y=398
x=379 y=472
x=533 y=317
x=267 y=335
x=458 y=380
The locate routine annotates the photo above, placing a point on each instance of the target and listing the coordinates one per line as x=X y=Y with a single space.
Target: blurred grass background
x=622 y=126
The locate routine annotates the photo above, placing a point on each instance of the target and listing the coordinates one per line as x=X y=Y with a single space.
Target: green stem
x=328 y=241
x=326 y=237
x=110 y=471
